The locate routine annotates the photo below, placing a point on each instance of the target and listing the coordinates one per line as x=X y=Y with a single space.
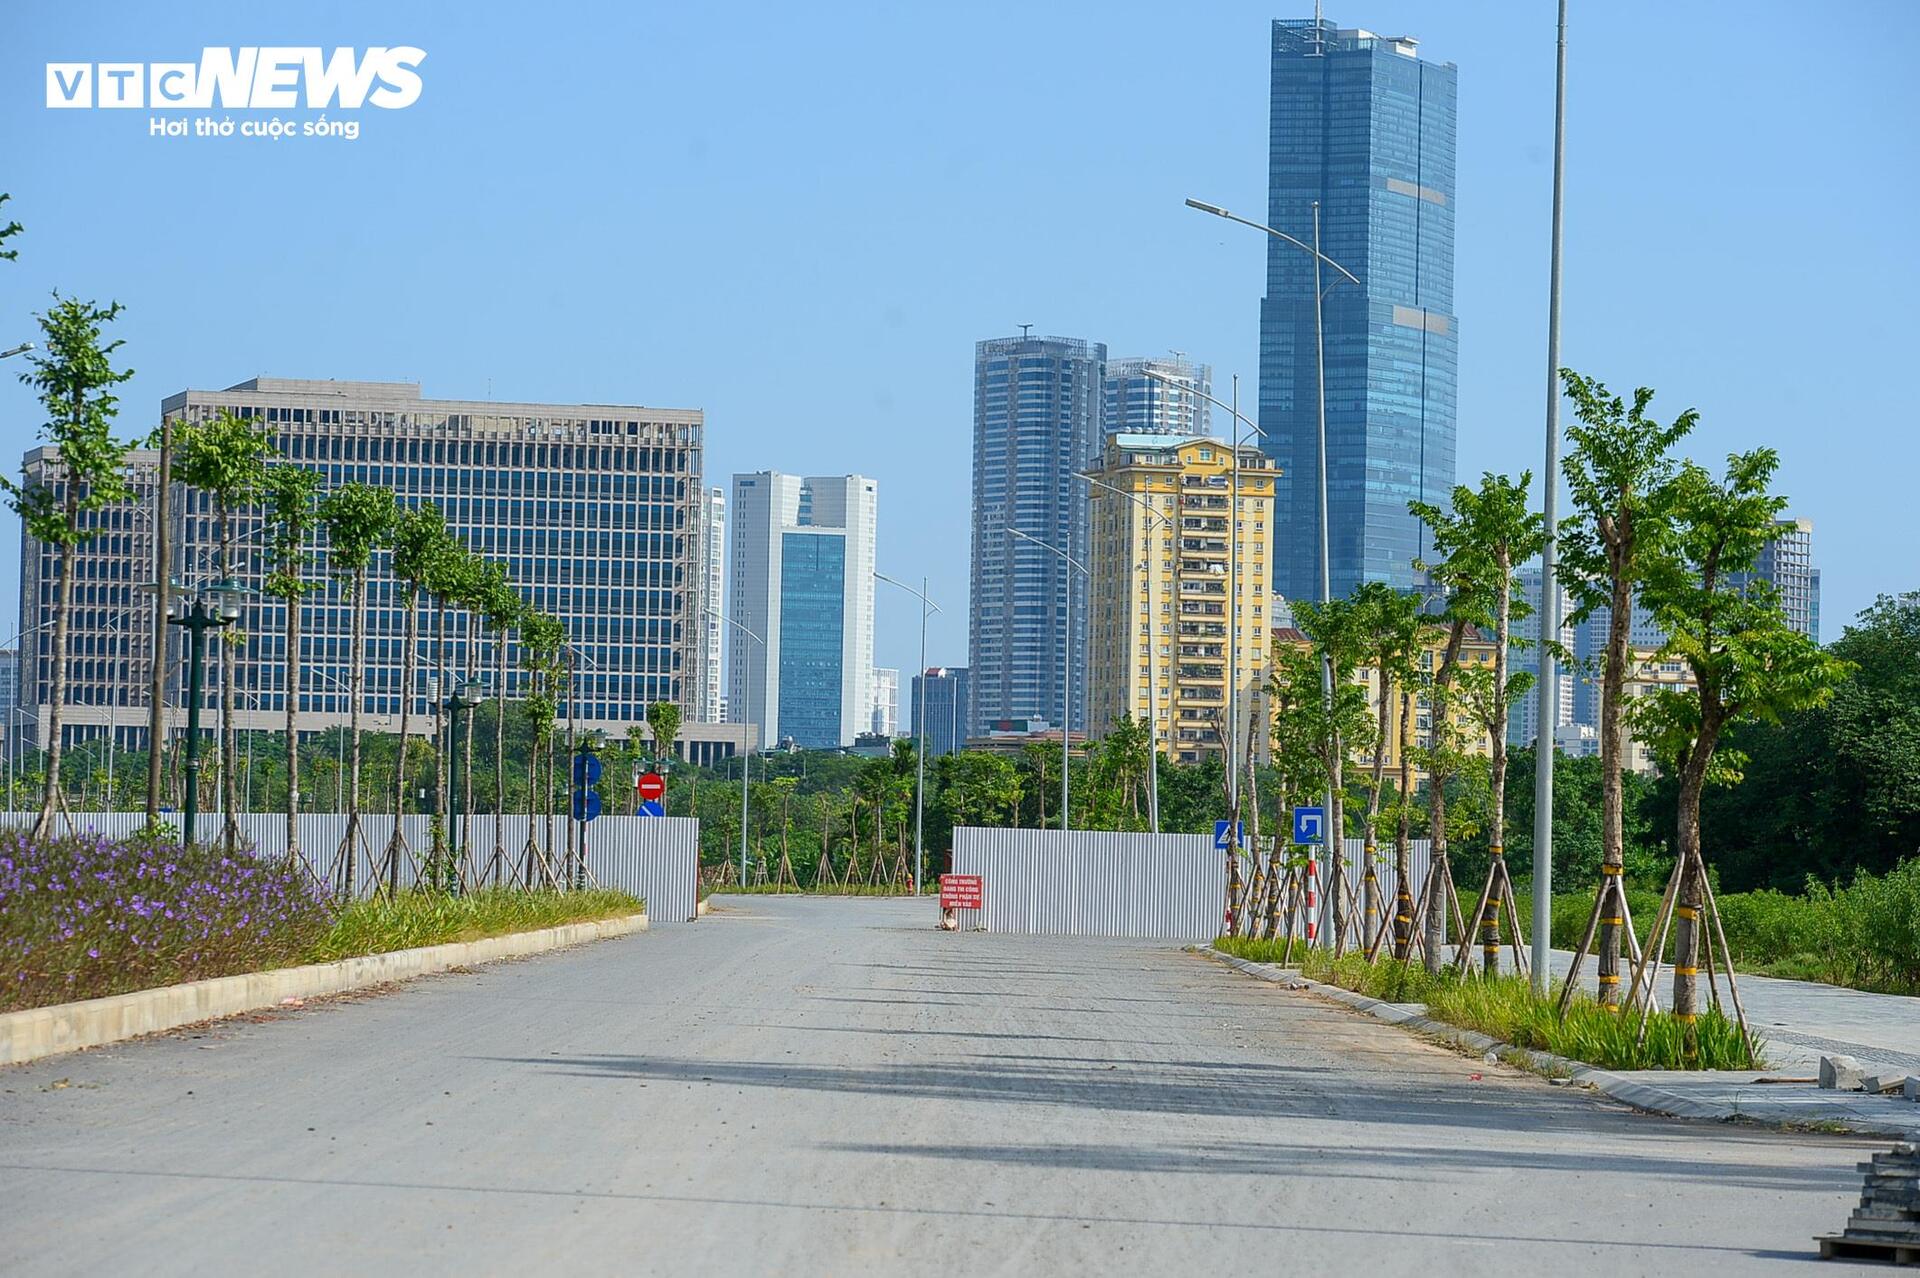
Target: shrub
x=85 y=917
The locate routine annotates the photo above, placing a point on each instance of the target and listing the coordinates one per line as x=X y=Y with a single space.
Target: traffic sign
x=960 y=891
x=1309 y=825
x=652 y=807
x=1226 y=836
x=586 y=769
x=586 y=805
x=651 y=787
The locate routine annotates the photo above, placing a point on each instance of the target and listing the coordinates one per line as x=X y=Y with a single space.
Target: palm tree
x=75 y=379
x=359 y=520
x=291 y=492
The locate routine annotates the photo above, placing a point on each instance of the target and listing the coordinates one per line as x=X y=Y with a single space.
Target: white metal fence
x=656 y=858
x=1150 y=886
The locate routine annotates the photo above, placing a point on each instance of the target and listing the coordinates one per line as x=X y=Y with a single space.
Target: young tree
x=506 y=611
x=1618 y=472
x=663 y=720
x=1298 y=713
x=1338 y=629
x=1504 y=533
x=1745 y=659
x=291 y=493
x=359 y=520
x=225 y=458
x=1388 y=629
x=419 y=538
x=75 y=380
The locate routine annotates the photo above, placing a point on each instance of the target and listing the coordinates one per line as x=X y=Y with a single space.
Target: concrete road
x=817 y=1086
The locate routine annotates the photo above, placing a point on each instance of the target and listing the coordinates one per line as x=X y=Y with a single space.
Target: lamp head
x=1205 y=207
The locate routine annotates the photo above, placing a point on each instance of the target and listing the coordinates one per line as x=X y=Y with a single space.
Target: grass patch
x=1261 y=951
x=1506 y=1008
x=413 y=919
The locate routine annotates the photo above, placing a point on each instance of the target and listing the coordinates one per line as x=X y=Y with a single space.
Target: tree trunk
x=157 y=690
x=1437 y=776
x=1612 y=763
x=1686 y=914
x=1370 y=882
x=410 y=638
x=500 y=757
x=443 y=753
x=1403 y=906
x=229 y=739
x=50 y=799
x=1497 y=818
x=1337 y=842
x=293 y=735
x=356 y=677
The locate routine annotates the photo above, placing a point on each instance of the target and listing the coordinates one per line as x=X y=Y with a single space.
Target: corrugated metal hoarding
x=655 y=858
x=1148 y=886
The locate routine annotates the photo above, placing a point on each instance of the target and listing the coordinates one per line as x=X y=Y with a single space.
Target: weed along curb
x=68 y=1027
x=1639 y=1093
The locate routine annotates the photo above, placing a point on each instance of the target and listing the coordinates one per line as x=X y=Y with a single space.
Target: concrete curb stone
x=1638 y=1093
x=69 y=1027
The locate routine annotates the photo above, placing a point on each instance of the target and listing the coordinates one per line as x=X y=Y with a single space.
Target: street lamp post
x=205 y=611
x=920 y=749
x=1066 y=672
x=747 y=754
x=1336 y=838
x=1153 y=656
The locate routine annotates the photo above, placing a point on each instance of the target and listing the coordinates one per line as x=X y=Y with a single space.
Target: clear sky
x=801 y=217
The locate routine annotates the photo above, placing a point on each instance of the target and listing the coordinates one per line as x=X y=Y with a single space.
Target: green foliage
x=74 y=379
x=420 y=539
x=292 y=494
x=1577 y=844
x=7 y=232
x=412 y=919
x=1506 y=1008
x=358 y=518
x=663 y=719
x=223 y=456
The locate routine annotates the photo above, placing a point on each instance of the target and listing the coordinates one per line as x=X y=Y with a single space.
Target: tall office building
x=886 y=702
x=1365 y=128
x=1523 y=716
x=1644 y=635
x=802 y=580
x=1176 y=587
x=1786 y=561
x=940 y=694
x=1037 y=408
x=714 y=548
x=1138 y=402
x=594 y=510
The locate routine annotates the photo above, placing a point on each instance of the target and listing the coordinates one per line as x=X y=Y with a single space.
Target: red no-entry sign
x=651 y=787
x=960 y=891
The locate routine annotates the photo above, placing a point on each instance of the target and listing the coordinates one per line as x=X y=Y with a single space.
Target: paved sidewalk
x=1798 y=1019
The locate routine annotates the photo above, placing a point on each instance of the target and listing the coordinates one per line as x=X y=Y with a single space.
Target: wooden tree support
x=1496 y=901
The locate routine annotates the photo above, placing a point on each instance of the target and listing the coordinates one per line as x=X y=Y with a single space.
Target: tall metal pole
x=745 y=759
x=196 y=642
x=1066 y=697
x=1336 y=839
x=1548 y=717
x=920 y=761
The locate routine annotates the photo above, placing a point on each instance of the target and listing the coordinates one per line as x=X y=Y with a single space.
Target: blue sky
x=801 y=217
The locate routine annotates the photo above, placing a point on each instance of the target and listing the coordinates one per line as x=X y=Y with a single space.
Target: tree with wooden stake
x=225 y=458
x=663 y=721
x=488 y=579
x=358 y=519
x=541 y=637
x=1501 y=533
x=1746 y=662
x=75 y=381
x=1619 y=473
x=452 y=571
x=1337 y=629
x=292 y=516
x=506 y=611
x=1295 y=709
x=1388 y=625
x=419 y=535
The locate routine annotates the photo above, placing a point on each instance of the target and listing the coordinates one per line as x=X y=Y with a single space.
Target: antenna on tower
x=1319 y=33
x=1026 y=332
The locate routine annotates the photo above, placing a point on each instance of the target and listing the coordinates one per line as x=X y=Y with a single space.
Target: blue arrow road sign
x=586 y=805
x=1309 y=825
x=652 y=807
x=586 y=769
x=1223 y=834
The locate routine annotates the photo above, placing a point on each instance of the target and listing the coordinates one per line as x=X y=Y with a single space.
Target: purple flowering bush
x=87 y=916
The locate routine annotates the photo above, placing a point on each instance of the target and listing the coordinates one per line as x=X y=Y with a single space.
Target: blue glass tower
x=1366 y=128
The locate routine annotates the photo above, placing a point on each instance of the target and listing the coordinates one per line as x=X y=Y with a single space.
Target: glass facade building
x=594 y=510
x=1364 y=127
x=813 y=583
x=1038 y=403
x=1138 y=402
x=940 y=694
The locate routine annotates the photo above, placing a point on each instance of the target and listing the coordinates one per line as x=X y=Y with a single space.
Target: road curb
x=1641 y=1095
x=70 y=1027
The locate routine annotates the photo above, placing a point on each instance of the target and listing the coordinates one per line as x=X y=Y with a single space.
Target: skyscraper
x=1139 y=404
x=802 y=581
x=1787 y=562
x=1523 y=713
x=1364 y=127
x=940 y=693
x=886 y=702
x=1037 y=407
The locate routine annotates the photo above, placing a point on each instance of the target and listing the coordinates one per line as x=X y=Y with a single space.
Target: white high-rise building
x=712 y=699
x=802 y=552
x=886 y=702
x=1523 y=713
